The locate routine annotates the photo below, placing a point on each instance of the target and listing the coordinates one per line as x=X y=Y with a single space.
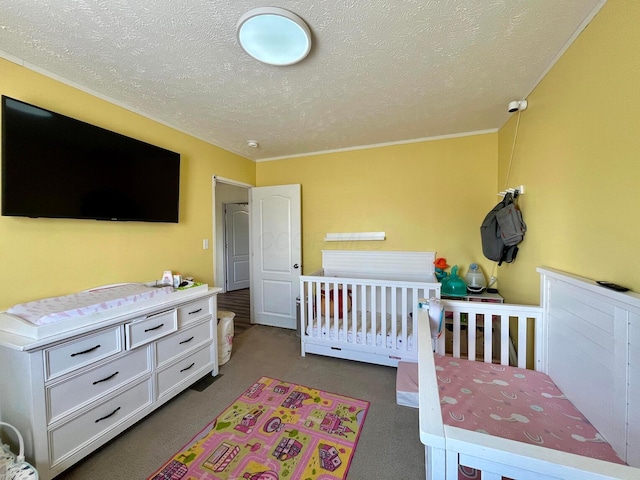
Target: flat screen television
x=58 y=167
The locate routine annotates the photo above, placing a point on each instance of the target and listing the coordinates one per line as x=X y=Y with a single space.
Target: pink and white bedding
x=318 y=328
x=517 y=404
x=54 y=309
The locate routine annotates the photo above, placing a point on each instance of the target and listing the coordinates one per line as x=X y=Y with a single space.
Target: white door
x=236 y=245
x=276 y=254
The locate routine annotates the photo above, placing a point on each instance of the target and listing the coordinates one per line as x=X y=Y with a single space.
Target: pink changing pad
x=51 y=310
x=517 y=404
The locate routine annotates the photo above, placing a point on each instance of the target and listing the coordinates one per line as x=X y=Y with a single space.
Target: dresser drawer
x=193 y=311
x=149 y=328
x=65 y=396
x=185 y=369
x=81 y=352
x=182 y=341
x=80 y=431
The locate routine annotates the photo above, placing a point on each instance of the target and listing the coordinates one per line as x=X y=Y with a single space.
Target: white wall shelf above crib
x=354 y=237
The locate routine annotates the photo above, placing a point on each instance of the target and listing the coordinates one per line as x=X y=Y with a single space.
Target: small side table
x=478 y=297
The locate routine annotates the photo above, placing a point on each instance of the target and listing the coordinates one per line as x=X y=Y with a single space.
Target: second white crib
x=360 y=306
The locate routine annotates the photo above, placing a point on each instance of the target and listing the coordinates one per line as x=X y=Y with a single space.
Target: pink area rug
x=274 y=431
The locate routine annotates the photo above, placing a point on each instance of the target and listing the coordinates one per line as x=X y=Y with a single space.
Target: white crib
x=360 y=306
x=587 y=339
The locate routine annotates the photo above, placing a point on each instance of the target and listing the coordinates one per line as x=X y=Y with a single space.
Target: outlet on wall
x=205 y=244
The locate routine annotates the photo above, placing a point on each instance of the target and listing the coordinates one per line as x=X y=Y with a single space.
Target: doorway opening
x=231 y=256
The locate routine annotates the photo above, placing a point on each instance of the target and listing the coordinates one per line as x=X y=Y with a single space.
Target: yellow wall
x=577 y=155
x=46 y=257
x=426 y=196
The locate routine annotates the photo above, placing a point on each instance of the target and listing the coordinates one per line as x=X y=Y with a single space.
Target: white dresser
x=72 y=391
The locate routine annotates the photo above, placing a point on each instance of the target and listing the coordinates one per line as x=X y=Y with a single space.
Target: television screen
x=58 y=167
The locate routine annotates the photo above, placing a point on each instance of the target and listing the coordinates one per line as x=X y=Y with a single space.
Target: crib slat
x=452 y=465
x=414 y=312
x=456 y=334
x=307 y=299
x=405 y=315
x=336 y=306
x=522 y=342
x=374 y=317
x=354 y=311
x=441 y=342
x=362 y=326
x=327 y=308
x=504 y=340
x=394 y=315
x=318 y=316
x=471 y=336
x=341 y=307
x=344 y=291
x=384 y=324
x=334 y=315
x=488 y=338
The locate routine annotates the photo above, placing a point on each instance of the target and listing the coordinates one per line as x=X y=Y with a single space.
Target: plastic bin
x=225 y=336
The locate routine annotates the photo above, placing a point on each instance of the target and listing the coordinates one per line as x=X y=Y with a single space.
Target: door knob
x=295 y=265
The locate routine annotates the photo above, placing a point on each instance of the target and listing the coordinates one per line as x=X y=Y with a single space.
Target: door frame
x=218 y=260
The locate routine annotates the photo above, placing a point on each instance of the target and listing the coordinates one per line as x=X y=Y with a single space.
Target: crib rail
x=446 y=447
x=464 y=333
x=499 y=458
x=372 y=316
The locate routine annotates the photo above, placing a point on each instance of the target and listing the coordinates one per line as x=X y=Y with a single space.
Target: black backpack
x=502 y=230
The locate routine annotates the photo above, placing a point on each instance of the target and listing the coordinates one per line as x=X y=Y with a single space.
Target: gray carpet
x=389 y=447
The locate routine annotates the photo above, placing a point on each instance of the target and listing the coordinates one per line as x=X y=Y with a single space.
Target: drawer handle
x=195 y=311
x=187 y=368
x=186 y=341
x=105 y=379
x=154 y=328
x=86 y=351
x=107 y=416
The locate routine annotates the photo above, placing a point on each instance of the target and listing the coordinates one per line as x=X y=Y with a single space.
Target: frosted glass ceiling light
x=274 y=36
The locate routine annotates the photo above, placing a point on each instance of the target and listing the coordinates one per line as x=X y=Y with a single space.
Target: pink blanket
x=518 y=404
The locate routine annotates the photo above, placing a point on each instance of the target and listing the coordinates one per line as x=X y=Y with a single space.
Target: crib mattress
x=318 y=328
x=407 y=391
x=517 y=404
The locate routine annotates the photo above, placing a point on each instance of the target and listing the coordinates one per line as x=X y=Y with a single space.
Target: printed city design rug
x=274 y=431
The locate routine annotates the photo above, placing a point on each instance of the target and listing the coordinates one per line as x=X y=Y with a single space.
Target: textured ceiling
x=379 y=71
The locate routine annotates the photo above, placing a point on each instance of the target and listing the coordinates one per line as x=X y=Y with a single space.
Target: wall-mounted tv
x=58 y=167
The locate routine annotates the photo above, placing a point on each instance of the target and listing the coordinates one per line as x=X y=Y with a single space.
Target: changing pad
x=54 y=309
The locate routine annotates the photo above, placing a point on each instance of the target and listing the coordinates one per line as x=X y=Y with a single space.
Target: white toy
x=436 y=315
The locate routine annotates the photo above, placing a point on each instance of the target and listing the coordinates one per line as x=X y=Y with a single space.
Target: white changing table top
x=21 y=334
x=58 y=309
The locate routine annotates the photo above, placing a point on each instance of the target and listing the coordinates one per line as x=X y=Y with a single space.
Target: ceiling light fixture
x=274 y=36
x=253 y=143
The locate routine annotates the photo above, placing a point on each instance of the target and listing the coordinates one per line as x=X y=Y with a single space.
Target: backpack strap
x=509 y=254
